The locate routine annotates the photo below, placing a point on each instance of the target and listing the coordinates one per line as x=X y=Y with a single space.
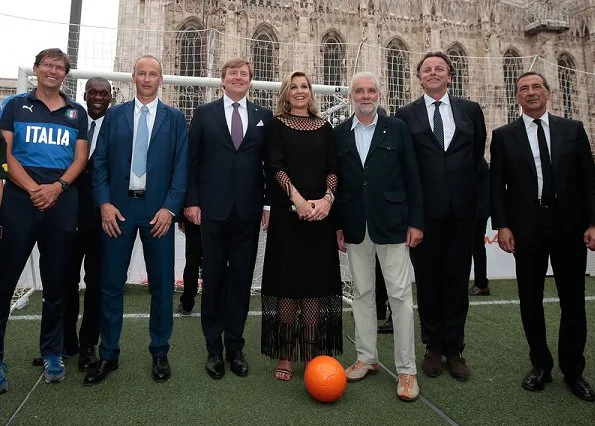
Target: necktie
x=237 y=130
x=547 y=192
x=139 y=160
x=91 y=132
x=90 y=138
x=438 y=126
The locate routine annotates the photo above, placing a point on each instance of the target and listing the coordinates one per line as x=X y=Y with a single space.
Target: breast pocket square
x=259 y=124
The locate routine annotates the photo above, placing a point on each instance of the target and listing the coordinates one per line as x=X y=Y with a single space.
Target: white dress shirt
x=531 y=128
x=242 y=109
x=363 y=136
x=139 y=183
x=448 y=120
x=93 y=142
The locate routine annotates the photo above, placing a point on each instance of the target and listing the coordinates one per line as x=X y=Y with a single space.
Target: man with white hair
x=380 y=213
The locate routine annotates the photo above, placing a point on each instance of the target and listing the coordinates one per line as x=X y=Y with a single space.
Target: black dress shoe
x=215 y=366
x=100 y=372
x=87 y=358
x=536 y=379
x=238 y=363
x=387 y=327
x=161 y=369
x=37 y=362
x=580 y=387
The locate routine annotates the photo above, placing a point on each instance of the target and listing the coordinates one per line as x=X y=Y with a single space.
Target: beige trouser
x=395 y=264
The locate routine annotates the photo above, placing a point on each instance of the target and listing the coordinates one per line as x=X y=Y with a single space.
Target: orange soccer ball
x=325 y=379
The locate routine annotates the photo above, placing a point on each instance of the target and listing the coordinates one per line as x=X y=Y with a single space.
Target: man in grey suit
x=379 y=203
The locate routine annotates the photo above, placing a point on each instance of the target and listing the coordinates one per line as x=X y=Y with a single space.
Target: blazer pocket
x=387 y=152
x=397 y=209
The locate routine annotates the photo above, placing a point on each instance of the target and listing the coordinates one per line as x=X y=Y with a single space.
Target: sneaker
x=407 y=388
x=54 y=371
x=457 y=367
x=359 y=370
x=3 y=381
x=184 y=311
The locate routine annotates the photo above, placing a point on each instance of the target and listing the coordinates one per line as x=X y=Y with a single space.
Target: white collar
x=545 y=118
x=356 y=121
x=430 y=101
x=227 y=101
x=151 y=105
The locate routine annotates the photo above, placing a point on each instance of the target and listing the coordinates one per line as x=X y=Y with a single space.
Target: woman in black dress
x=301 y=283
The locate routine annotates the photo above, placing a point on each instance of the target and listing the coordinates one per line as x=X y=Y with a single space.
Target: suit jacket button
x=365 y=182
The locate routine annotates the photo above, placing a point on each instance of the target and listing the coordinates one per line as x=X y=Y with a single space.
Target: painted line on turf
x=421 y=398
x=20 y=407
x=259 y=313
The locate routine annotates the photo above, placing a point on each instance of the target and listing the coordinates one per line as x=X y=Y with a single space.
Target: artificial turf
x=496 y=353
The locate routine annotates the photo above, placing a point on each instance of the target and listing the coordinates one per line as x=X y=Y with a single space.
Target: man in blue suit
x=226 y=194
x=139 y=184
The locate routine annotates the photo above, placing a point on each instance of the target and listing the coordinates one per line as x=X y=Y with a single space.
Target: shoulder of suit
x=564 y=120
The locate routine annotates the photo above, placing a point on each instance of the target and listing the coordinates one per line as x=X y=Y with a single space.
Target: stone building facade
x=491 y=42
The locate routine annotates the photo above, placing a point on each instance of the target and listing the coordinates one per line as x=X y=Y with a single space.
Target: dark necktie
x=90 y=137
x=91 y=132
x=547 y=192
x=438 y=126
x=237 y=130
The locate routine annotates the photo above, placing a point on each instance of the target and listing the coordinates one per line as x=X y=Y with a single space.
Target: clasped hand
x=44 y=196
x=313 y=210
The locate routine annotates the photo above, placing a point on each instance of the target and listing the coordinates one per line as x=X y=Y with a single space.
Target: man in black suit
x=380 y=214
x=543 y=206
x=226 y=194
x=449 y=138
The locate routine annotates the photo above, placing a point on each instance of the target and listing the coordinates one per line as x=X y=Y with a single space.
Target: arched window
x=333 y=69
x=265 y=61
x=566 y=81
x=513 y=68
x=397 y=64
x=191 y=45
x=460 y=76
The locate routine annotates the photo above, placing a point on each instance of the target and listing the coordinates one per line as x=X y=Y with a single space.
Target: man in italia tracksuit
x=46 y=149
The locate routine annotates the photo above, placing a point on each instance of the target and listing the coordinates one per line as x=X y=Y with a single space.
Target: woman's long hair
x=283 y=105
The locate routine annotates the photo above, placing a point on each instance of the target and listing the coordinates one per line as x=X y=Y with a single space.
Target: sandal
x=283 y=374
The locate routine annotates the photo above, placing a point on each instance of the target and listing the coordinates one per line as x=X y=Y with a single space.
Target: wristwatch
x=65 y=185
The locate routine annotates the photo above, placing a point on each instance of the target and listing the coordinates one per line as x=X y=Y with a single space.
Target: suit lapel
x=252 y=121
x=457 y=116
x=159 y=117
x=379 y=135
x=219 y=115
x=520 y=133
x=349 y=139
x=421 y=114
x=130 y=116
x=556 y=138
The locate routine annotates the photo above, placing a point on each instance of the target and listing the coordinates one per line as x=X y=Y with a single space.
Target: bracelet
x=329 y=197
x=298 y=204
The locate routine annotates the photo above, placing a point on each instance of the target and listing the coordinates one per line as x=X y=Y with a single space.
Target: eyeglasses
x=52 y=67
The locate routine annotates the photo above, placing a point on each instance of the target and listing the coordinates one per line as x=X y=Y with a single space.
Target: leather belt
x=136 y=193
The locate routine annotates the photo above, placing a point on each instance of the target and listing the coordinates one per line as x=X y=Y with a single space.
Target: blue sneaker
x=54 y=371
x=3 y=381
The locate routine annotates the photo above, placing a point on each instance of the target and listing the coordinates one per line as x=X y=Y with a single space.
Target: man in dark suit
x=480 y=261
x=140 y=174
x=380 y=213
x=543 y=206
x=226 y=193
x=449 y=138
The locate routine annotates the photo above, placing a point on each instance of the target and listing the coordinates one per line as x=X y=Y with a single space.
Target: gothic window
x=460 y=76
x=191 y=63
x=333 y=59
x=397 y=62
x=265 y=61
x=513 y=68
x=566 y=81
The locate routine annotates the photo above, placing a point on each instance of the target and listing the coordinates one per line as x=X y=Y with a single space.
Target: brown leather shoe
x=432 y=364
x=478 y=291
x=457 y=367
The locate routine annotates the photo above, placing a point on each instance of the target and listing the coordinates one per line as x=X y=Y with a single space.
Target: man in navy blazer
x=226 y=195
x=379 y=201
x=139 y=182
x=449 y=137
